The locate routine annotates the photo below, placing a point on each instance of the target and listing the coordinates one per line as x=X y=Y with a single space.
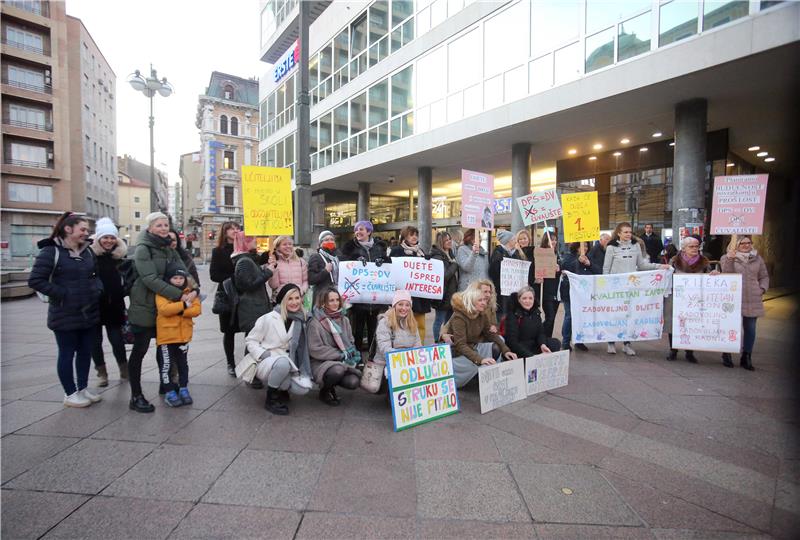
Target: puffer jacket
x=151 y=258
x=755 y=280
x=469 y=329
x=450 y=278
x=294 y=270
x=112 y=301
x=471 y=266
x=352 y=250
x=250 y=281
x=623 y=257
x=174 y=322
x=387 y=340
x=75 y=288
x=524 y=330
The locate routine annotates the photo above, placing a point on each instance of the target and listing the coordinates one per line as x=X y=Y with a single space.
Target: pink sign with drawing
x=477 y=200
x=738 y=206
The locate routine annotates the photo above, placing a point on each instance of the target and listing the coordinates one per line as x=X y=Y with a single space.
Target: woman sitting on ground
x=525 y=334
x=397 y=328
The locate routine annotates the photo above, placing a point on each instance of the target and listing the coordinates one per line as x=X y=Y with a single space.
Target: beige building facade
x=191 y=173
x=134 y=206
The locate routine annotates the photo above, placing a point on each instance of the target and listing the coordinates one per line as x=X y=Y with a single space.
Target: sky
x=185 y=41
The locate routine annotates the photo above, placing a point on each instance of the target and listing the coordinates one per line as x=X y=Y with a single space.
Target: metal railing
x=44 y=49
x=23 y=163
x=28 y=125
x=42 y=89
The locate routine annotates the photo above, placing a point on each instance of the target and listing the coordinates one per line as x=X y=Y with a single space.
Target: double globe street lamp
x=151 y=86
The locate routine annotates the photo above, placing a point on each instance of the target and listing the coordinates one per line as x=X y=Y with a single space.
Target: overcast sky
x=185 y=40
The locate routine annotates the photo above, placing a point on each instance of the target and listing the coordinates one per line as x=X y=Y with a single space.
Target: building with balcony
x=134 y=205
x=227 y=117
x=643 y=101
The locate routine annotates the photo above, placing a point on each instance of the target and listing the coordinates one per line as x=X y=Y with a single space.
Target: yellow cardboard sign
x=267 y=201
x=581 y=216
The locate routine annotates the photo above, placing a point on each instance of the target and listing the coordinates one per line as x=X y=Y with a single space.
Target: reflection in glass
x=634 y=37
x=678 y=21
x=554 y=22
x=402 y=97
x=325 y=62
x=461 y=54
x=340 y=123
x=505 y=37
x=340 y=50
x=378 y=20
x=401 y=9
x=604 y=13
x=600 y=50
x=719 y=12
x=568 y=63
x=358 y=113
x=324 y=130
x=358 y=36
x=378 y=103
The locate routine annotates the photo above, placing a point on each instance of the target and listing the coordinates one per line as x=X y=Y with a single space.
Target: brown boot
x=102 y=374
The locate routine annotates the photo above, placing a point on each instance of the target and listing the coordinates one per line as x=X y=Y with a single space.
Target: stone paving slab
x=19 y=414
x=225 y=522
x=30 y=514
x=23 y=452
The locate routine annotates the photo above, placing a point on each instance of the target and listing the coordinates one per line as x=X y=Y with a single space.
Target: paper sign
x=477 y=200
x=548 y=371
x=422 y=278
x=513 y=275
x=738 y=205
x=707 y=312
x=618 y=307
x=539 y=206
x=581 y=217
x=422 y=385
x=545 y=262
x=267 y=201
x=366 y=284
x=501 y=384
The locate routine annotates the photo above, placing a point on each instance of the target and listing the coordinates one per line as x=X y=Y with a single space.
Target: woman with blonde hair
x=286 y=266
x=397 y=328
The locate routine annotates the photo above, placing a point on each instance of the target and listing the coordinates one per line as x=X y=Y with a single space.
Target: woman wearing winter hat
x=506 y=248
x=110 y=251
x=323 y=266
x=397 y=328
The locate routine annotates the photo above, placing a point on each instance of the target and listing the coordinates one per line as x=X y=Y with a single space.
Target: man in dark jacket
x=597 y=255
x=652 y=243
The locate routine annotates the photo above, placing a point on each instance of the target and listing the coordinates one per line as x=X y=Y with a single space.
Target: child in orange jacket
x=173 y=333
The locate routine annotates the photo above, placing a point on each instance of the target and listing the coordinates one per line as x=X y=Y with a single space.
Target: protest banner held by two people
x=368 y=283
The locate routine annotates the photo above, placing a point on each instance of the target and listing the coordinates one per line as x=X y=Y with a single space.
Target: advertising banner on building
x=267 y=201
x=501 y=384
x=420 y=277
x=213 y=146
x=581 y=217
x=422 y=385
x=513 y=275
x=545 y=262
x=618 y=307
x=707 y=312
x=539 y=206
x=366 y=284
x=477 y=200
x=547 y=371
x=738 y=205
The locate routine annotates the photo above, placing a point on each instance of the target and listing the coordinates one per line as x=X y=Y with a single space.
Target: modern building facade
x=227 y=117
x=644 y=101
x=134 y=205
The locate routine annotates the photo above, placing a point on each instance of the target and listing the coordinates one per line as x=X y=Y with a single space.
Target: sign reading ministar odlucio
x=290 y=59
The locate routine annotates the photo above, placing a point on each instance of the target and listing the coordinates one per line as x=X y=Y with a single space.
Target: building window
x=228 y=196
x=23 y=39
x=633 y=37
x=227 y=159
x=29 y=155
x=27 y=117
x=136 y=199
x=223 y=124
x=34 y=6
x=138 y=228
x=228 y=92
x=234 y=126
x=30 y=193
x=554 y=23
x=26 y=78
x=719 y=12
x=678 y=21
x=137 y=214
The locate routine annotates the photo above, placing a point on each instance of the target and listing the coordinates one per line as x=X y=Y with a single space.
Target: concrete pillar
x=362 y=208
x=410 y=205
x=520 y=180
x=425 y=207
x=689 y=169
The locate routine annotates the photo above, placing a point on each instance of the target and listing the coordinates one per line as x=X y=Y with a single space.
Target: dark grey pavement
x=631 y=448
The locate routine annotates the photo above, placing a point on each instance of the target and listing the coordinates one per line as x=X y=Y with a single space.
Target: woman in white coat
x=277 y=351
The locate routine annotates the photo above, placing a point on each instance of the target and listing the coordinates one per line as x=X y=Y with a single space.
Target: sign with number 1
x=581 y=216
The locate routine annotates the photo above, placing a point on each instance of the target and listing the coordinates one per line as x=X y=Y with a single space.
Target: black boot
x=139 y=404
x=256 y=384
x=746 y=362
x=283 y=396
x=727 y=360
x=673 y=355
x=232 y=370
x=328 y=396
x=690 y=357
x=273 y=405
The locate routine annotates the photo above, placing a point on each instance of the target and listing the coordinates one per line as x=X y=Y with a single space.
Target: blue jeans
x=749 y=338
x=442 y=316
x=566 y=325
x=74 y=345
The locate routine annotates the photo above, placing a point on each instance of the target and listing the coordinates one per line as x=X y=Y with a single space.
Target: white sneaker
x=612 y=349
x=76 y=400
x=627 y=349
x=91 y=396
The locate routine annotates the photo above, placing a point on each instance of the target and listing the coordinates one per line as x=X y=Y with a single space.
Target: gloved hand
x=363 y=261
x=379 y=261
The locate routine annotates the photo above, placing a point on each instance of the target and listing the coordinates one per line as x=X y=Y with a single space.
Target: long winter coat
x=471 y=266
x=112 y=301
x=702 y=266
x=323 y=350
x=174 y=322
x=317 y=275
x=623 y=257
x=294 y=270
x=250 y=281
x=570 y=263
x=450 y=277
x=469 y=329
x=352 y=250
x=387 y=339
x=418 y=305
x=75 y=288
x=268 y=340
x=525 y=331
x=151 y=259
x=755 y=281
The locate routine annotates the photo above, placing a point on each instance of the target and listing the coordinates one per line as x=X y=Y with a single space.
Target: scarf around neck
x=327 y=256
x=746 y=257
x=690 y=260
x=368 y=244
x=414 y=251
x=298 y=344
x=331 y=321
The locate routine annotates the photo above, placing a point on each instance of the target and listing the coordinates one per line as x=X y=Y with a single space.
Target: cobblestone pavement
x=631 y=448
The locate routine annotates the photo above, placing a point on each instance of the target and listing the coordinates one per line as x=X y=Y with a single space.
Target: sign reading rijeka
x=707 y=312
x=738 y=205
x=539 y=206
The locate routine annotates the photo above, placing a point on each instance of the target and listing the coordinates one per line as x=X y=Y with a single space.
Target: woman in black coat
x=409 y=247
x=110 y=251
x=549 y=301
x=525 y=333
x=65 y=271
x=221 y=269
x=250 y=281
x=443 y=251
x=577 y=262
x=323 y=266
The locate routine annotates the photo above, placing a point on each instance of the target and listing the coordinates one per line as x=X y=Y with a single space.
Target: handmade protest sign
x=477 y=200
x=267 y=200
x=546 y=263
x=707 y=312
x=547 y=371
x=581 y=216
x=618 y=307
x=420 y=277
x=738 y=204
x=501 y=384
x=539 y=206
x=366 y=284
x=513 y=275
x=421 y=385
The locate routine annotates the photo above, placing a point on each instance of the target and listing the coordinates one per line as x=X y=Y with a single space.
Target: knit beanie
x=366 y=224
x=105 y=227
x=286 y=289
x=400 y=295
x=504 y=237
x=174 y=270
x=323 y=234
x=154 y=216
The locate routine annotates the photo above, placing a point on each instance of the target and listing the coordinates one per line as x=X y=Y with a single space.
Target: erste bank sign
x=290 y=59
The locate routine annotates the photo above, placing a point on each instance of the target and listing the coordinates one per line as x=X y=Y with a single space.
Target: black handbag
x=226 y=298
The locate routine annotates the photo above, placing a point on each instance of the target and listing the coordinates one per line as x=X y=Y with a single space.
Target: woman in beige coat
x=746 y=261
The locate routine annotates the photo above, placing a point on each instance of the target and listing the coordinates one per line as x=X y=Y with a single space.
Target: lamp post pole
x=153 y=191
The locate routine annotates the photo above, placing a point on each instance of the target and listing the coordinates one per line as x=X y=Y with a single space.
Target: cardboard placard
x=477 y=200
x=546 y=263
x=738 y=204
x=267 y=201
x=581 y=217
x=707 y=312
x=546 y=371
x=501 y=384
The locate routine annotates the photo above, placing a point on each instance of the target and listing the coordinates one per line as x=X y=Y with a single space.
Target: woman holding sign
x=443 y=251
x=472 y=259
x=506 y=248
x=746 y=261
x=550 y=289
x=409 y=247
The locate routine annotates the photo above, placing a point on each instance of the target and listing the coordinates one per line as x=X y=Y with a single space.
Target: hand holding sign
x=539 y=206
x=581 y=216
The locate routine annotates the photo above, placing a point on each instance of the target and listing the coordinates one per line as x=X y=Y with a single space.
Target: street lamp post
x=149 y=87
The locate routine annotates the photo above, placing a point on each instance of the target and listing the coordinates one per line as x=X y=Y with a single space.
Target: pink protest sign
x=738 y=206
x=539 y=206
x=477 y=200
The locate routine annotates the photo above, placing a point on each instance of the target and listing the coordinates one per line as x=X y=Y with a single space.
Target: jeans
x=550 y=307
x=114 y=333
x=442 y=316
x=74 y=345
x=749 y=338
x=173 y=353
x=566 y=325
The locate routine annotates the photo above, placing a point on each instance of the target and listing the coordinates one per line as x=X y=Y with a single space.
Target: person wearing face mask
x=744 y=259
x=525 y=333
x=64 y=270
x=323 y=266
x=409 y=247
x=506 y=247
x=110 y=251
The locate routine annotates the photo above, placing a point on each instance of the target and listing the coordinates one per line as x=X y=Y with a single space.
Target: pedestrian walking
x=472 y=259
x=409 y=247
x=221 y=268
x=442 y=250
x=64 y=271
x=525 y=333
x=506 y=248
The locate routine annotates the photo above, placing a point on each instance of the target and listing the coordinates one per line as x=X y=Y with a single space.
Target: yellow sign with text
x=267 y=201
x=581 y=217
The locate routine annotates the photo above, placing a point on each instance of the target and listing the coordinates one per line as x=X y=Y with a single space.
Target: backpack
x=43 y=297
x=127 y=270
